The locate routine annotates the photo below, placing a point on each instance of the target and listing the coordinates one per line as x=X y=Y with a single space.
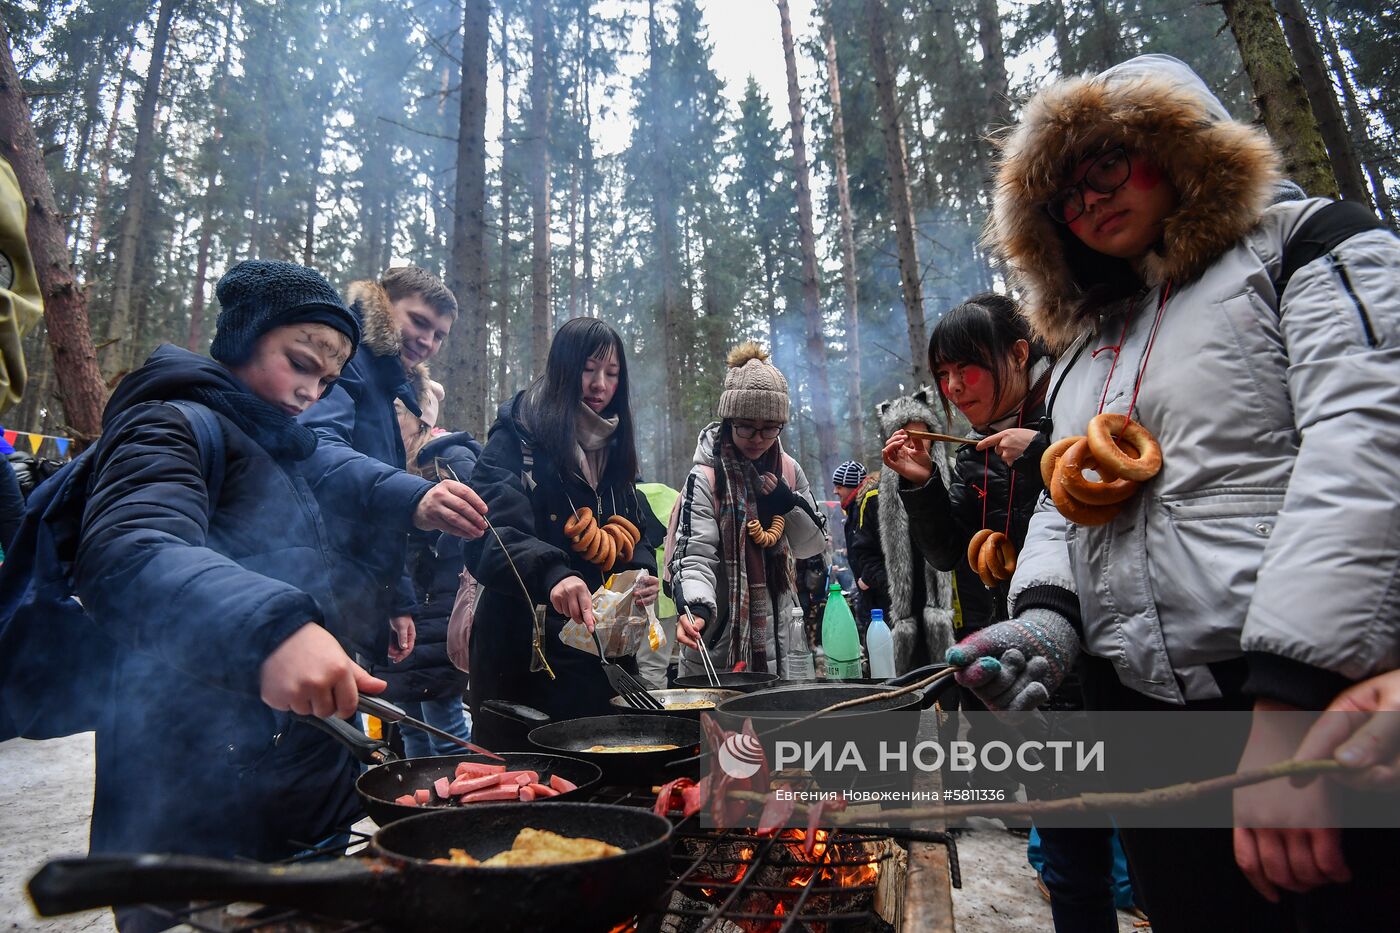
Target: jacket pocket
x=1367 y=328
x=1204 y=550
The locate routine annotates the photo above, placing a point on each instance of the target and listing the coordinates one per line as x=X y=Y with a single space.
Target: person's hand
x=688 y=628
x=645 y=590
x=1009 y=444
x=311 y=675
x=452 y=507
x=1361 y=729
x=1017 y=664
x=572 y=598
x=862 y=585
x=907 y=457
x=1282 y=834
x=775 y=498
x=405 y=637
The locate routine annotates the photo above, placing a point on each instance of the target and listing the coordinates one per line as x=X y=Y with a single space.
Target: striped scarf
x=755 y=577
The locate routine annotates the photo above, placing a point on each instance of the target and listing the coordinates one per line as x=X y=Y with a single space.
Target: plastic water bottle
x=840 y=638
x=797 y=656
x=880 y=645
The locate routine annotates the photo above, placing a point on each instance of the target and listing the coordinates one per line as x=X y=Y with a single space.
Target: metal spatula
x=633 y=691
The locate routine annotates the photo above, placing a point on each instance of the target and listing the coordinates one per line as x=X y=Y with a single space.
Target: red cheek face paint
x=972 y=376
x=1145 y=176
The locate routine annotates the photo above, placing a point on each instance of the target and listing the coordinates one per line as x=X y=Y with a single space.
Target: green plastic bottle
x=840 y=639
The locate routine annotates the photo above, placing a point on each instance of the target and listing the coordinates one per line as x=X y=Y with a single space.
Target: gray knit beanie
x=753 y=387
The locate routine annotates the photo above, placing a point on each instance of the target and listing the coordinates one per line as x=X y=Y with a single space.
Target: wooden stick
x=1085 y=803
x=948 y=438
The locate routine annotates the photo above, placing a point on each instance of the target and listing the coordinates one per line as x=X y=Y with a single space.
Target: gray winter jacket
x=1272 y=531
x=697 y=566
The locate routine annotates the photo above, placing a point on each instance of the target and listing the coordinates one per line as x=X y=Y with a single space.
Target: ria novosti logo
x=740 y=755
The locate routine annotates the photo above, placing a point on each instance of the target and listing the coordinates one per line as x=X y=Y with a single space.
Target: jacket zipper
x=1341 y=271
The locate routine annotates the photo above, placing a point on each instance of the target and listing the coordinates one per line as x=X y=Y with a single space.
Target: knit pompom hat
x=258 y=295
x=754 y=389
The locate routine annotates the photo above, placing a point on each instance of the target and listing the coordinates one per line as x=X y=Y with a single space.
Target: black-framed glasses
x=1109 y=172
x=747 y=432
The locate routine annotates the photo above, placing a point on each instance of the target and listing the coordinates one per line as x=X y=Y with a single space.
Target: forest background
x=834 y=219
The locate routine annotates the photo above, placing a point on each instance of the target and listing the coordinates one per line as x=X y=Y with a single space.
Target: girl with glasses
x=745 y=517
x=1254 y=569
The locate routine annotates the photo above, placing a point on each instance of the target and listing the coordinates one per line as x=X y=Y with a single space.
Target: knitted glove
x=1017 y=664
x=780 y=501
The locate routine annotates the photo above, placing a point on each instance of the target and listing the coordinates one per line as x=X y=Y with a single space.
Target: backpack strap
x=209 y=439
x=1326 y=229
x=527 y=465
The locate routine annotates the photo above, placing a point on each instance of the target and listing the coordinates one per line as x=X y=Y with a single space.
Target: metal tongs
x=538 y=661
x=388 y=712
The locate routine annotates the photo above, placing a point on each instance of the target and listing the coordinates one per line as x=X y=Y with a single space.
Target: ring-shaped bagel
x=974 y=549
x=1078 y=512
x=1071 y=474
x=627 y=526
x=1102 y=430
x=624 y=547
x=1052 y=455
x=578 y=521
x=587 y=538
x=998 y=556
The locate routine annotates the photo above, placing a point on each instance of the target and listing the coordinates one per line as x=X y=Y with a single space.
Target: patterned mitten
x=1017 y=664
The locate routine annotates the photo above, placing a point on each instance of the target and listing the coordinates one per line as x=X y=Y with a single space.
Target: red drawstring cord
x=1142 y=370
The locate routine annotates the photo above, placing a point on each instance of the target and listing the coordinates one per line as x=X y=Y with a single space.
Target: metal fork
x=632 y=691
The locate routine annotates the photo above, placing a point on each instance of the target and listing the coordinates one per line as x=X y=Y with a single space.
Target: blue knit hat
x=258 y=295
x=850 y=473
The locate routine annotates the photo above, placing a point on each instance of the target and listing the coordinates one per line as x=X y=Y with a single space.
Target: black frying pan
x=574 y=737
x=399 y=885
x=784 y=703
x=743 y=681
x=381 y=785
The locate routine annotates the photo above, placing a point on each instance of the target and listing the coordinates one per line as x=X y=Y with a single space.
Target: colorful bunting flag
x=12 y=437
x=35 y=442
x=62 y=444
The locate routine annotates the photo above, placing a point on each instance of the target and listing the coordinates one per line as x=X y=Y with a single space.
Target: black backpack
x=56 y=663
x=30 y=470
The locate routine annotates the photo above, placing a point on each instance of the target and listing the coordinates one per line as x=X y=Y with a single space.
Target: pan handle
x=517 y=711
x=365 y=749
x=347 y=886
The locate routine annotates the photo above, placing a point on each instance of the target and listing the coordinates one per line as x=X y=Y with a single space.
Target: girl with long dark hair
x=563 y=445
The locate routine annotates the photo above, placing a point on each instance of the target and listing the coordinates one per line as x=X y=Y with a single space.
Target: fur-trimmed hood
x=1225 y=172
x=379 y=334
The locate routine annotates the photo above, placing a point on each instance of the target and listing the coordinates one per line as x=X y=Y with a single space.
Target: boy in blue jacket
x=222 y=611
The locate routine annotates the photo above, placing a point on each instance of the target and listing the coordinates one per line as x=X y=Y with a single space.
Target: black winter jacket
x=361 y=451
x=531 y=525
x=944 y=520
x=190 y=759
x=435 y=566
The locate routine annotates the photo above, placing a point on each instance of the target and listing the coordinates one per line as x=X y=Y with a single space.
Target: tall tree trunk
x=92 y=115
x=65 y=306
x=104 y=174
x=587 y=172
x=1308 y=57
x=667 y=237
x=195 y=342
x=856 y=415
x=1360 y=126
x=468 y=366
x=117 y=354
x=541 y=92
x=1064 y=45
x=994 y=75
x=902 y=206
x=1279 y=92
x=811 y=289
x=507 y=269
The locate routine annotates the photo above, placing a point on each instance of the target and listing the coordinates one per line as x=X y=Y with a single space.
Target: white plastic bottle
x=880 y=646
x=797 y=656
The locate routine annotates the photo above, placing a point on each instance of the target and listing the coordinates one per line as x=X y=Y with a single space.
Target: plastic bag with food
x=620 y=623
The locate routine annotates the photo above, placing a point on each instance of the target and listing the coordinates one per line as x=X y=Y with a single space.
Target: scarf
x=755 y=576
x=592 y=432
x=265 y=423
